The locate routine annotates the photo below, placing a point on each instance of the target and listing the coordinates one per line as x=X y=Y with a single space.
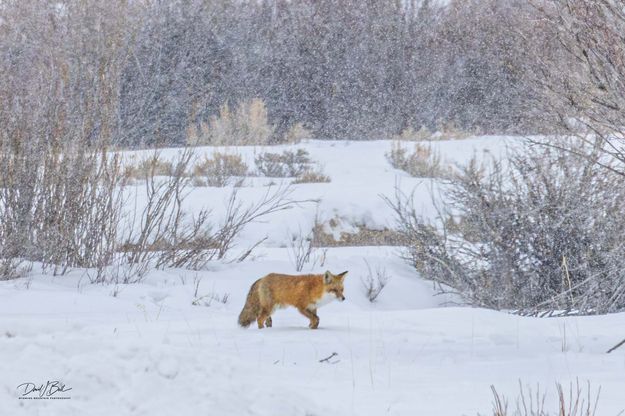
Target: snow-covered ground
x=159 y=348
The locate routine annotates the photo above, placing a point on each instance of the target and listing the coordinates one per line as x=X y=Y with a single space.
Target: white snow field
x=145 y=349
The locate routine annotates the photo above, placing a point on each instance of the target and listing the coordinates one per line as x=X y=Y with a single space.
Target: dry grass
x=219 y=170
x=210 y=298
x=423 y=162
x=147 y=168
x=312 y=177
x=296 y=134
x=360 y=236
x=449 y=131
x=248 y=124
x=574 y=401
x=411 y=135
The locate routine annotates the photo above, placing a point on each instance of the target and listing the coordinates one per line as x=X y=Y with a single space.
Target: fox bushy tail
x=251 y=310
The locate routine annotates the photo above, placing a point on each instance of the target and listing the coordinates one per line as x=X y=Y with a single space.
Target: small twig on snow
x=328 y=358
x=616 y=346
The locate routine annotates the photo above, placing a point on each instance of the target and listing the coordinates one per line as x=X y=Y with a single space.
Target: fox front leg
x=312 y=315
x=314 y=322
x=268 y=322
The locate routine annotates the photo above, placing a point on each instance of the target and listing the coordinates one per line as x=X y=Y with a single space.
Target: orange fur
x=280 y=290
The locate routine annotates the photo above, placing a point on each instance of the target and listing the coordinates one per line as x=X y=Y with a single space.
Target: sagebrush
x=284 y=165
x=220 y=169
x=542 y=232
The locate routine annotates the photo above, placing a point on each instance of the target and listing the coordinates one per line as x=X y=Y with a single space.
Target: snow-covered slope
x=360 y=173
x=146 y=349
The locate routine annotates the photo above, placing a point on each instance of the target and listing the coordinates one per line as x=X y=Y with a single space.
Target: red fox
x=306 y=293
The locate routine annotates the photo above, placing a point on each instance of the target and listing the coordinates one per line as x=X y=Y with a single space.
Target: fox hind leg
x=264 y=319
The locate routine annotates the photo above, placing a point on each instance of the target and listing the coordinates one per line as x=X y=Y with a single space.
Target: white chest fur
x=324 y=300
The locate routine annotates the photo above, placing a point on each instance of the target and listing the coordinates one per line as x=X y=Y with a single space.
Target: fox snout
x=341 y=298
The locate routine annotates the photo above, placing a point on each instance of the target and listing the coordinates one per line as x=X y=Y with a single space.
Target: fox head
x=333 y=284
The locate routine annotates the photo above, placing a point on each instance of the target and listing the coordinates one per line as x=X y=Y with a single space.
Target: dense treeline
x=345 y=69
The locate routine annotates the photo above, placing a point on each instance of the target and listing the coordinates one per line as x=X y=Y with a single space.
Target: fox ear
x=327 y=277
x=342 y=275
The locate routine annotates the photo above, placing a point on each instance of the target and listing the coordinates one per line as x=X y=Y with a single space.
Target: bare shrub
x=60 y=208
x=287 y=164
x=165 y=240
x=422 y=163
x=191 y=245
x=220 y=170
x=238 y=216
x=247 y=125
x=13 y=268
x=301 y=248
x=166 y=236
x=572 y=402
x=163 y=235
x=373 y=283
x=60 y=196
x=545 y=232
x=586 y=100
x=151 y=237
